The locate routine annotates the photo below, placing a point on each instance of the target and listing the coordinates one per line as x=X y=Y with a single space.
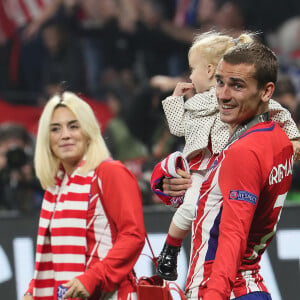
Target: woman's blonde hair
x=212 y=45
x=45 y=162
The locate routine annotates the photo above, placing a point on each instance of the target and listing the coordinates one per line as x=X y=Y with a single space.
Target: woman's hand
x=27 y=297
x=177 y=186
x=75 y=290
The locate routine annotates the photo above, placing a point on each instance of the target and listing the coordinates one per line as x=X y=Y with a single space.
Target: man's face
x=238 y=95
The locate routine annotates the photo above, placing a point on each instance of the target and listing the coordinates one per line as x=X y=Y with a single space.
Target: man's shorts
x=255 y=296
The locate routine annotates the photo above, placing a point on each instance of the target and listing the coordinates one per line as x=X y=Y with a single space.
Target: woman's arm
x=123 y=206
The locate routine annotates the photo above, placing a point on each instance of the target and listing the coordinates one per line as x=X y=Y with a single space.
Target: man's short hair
x=263 y=58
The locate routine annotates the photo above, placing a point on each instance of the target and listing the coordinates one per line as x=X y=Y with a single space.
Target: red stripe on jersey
x=45 y=265
x=69 y=267
x=44 y=283
x=67 y=249
x=45 y=248
x=69 y=214
x=7 y=26
x=40 y=3
x=67 y=231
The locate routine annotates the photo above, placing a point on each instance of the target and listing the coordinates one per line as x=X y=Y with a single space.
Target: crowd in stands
x=128 y=55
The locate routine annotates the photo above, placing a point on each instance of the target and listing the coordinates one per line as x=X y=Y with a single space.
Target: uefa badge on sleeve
x=61 y=290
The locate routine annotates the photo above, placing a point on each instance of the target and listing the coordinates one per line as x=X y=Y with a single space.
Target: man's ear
x=211 y=69
x=267 y=91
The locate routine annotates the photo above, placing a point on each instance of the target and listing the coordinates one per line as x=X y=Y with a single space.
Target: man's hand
x=27 y=297
x=164 y=83
x=296 y=147
x=177 y=186
x=75 y=290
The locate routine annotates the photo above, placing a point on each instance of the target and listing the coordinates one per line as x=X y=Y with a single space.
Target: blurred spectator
x=5 y=82
x=146 y=121
x=121 y=142
x=95 y=19
x=63 y=60
x=120 y=50
x=267 y=15
x=286 y=42
x=285 y=93
x=205 y=17
x=156 y=45
x=230 y=17
x=19 y=188
x=165 y=83
x=137 y=134
x=21 y=22
x=294 y=192
x=191 y=17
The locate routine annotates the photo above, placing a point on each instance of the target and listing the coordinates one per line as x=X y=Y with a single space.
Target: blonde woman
x=91 y=228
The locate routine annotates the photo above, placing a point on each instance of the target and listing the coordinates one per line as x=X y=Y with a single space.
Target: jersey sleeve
x=123 y=205
x=168 y=168
x=30 y=287
x=174 y=111
x=240 y=181
x=283 y=117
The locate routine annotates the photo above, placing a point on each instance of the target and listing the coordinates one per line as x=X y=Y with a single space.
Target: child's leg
x=178 y=230
x=185 y=214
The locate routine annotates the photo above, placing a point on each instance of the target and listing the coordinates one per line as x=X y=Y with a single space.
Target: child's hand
x=296 y=147
x=182 y=88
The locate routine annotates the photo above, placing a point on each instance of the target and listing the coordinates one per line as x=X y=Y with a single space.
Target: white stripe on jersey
x=33 y=8
x=210 y=213
x=280 y=200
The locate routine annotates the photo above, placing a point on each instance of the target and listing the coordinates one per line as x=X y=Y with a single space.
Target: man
x=244 y=190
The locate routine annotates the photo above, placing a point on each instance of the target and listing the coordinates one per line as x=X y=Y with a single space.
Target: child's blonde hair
x=212 y=45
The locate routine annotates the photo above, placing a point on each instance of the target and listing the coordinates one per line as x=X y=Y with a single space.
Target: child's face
x=200 y=74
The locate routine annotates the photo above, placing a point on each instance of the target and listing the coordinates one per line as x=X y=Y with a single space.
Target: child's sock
x=174 y=242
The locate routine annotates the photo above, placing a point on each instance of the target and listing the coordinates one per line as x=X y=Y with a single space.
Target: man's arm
x=165 y=185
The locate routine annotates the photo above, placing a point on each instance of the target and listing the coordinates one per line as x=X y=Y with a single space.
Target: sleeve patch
x=243 y=196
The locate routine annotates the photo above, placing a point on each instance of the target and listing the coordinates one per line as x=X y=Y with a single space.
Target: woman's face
x=67 y=140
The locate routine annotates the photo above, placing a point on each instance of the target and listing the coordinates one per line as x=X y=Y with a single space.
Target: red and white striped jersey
x=17 y=13
x=91 y=227
x=7 y=26
x=237 y=214
x=23 y=11
x=115 y=233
